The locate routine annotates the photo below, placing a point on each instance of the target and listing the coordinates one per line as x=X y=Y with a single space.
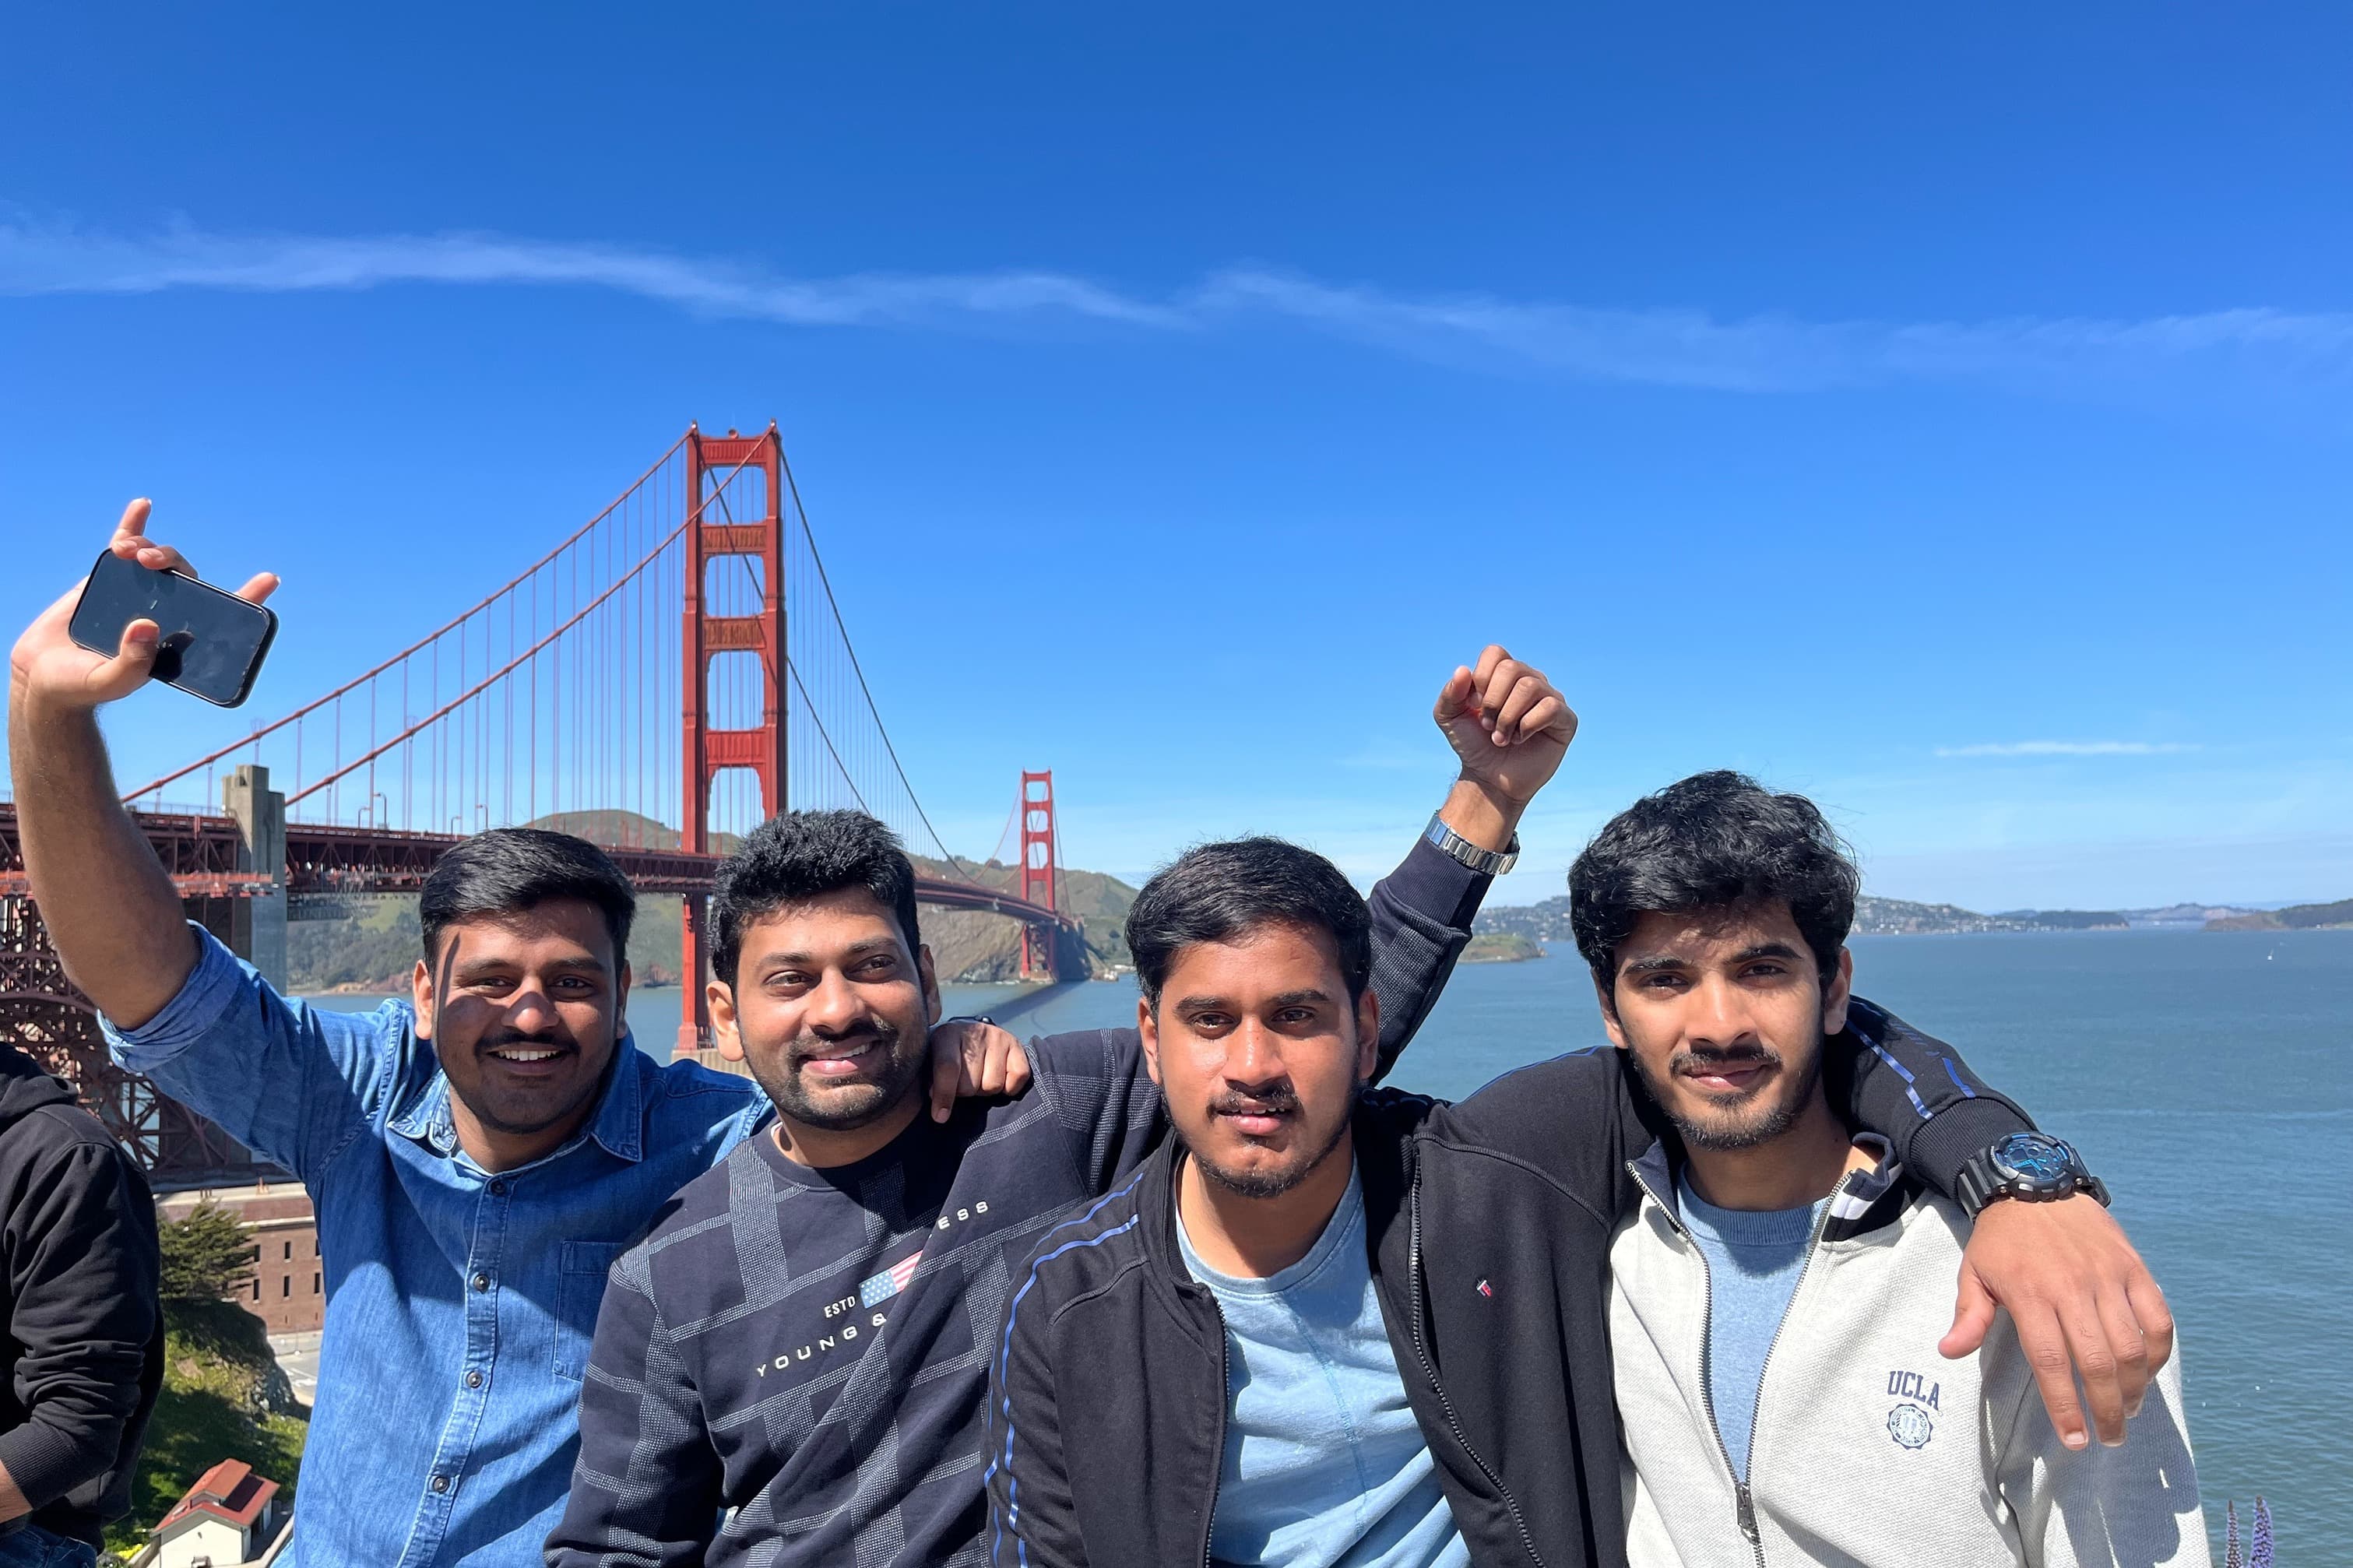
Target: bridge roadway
x=201 y=854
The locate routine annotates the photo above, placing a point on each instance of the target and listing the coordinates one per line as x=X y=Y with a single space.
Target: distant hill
x=375 y=941
x=1498 y=947
x=1873 y=916
x=2295 y=917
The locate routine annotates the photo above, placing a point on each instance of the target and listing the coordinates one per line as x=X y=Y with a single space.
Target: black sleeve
x=83 y=1268
x=1421 y=922
x=645 y=1489
x=1032 y=1520
x=1914 y=1090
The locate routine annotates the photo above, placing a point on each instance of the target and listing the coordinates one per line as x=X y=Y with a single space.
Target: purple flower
x=2260 y=1554
x=2231 y=1558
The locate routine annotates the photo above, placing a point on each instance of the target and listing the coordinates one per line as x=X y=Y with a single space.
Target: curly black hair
x=1713 y=841
x=801 y=855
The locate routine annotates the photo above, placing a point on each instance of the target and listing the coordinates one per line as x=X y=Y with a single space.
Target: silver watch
x=1454 y=847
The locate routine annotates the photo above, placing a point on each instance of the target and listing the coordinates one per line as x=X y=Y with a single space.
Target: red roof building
x=227 y=1518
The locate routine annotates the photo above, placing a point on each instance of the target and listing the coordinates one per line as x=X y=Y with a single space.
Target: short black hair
x=801 y=855
x=1216 y=893
x=510 y=870
x=1713 y=841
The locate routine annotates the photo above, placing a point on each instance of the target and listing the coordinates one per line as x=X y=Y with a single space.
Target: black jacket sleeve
x=1912 y=1089
x=82 y=1268
x=1421 y=922
x=1032 y=1519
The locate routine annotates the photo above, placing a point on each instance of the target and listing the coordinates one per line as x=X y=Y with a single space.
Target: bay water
x=2207 y=1075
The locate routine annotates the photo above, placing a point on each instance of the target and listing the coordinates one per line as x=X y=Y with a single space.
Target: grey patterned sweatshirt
x=790 y=1369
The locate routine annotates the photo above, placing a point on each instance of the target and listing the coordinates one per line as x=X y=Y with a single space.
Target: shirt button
x=473 y=1380
x=440 y=1483
x=481 y=1281
x=498 y=1189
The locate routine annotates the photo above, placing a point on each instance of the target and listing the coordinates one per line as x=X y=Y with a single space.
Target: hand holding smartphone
x=212 y=643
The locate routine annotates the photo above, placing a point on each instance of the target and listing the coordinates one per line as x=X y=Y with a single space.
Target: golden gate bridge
x=668 y=675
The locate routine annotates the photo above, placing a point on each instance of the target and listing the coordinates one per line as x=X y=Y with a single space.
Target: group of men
x=1192 y=1292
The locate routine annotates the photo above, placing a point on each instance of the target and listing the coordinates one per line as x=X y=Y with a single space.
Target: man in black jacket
x=1439 y=1274
x=84 y=1331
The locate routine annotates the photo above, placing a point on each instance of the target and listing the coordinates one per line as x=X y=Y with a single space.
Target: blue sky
x=1946 y=416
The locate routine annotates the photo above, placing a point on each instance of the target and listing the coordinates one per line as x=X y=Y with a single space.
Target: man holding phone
x=476 y=1156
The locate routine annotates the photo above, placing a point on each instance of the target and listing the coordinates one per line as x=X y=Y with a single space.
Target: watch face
x=2032 y=1157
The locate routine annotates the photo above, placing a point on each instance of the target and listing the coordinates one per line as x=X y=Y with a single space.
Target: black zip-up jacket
x=1488 y=1224
x=84 y=1332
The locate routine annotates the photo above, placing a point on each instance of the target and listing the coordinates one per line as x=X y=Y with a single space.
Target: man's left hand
x=2084 y=1304
x=972 y=1058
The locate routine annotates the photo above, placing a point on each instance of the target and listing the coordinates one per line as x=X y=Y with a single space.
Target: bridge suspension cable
x=556 y=698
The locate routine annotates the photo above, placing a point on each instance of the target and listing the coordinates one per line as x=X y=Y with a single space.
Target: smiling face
x=1724 y=1013
x=1259 y=1050
x=832 y=1013
x=524 y=1012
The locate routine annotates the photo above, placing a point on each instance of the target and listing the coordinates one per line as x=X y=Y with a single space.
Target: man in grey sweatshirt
x=1779 y=1293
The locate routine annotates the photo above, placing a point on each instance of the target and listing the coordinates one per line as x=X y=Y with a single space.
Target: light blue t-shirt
x=1325 y=1466
x=1754 y=1259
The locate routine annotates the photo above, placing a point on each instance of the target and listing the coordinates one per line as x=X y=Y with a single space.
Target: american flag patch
x=890 y=1282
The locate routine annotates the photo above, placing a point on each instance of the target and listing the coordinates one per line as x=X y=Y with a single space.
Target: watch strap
x=1455 y=848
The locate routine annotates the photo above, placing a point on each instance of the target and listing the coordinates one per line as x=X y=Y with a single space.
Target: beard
x=520 y=1111
x=890 y=1073
x=1735 y=1122
x=1272 y=1183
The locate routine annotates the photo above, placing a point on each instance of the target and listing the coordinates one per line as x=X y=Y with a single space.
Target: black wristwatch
x=2031 y=1167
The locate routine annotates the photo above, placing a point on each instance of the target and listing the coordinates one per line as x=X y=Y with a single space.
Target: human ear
x=1838 y=993
x=931 y=985
x=1609 y=1024
x=1147 y=1024
x=420 y=997
x=724 y=1034
x=1368 y=1035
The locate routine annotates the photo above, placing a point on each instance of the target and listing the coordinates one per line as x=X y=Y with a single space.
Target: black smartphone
x=213 y=644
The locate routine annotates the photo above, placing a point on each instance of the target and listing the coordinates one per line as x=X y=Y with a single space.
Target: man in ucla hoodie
x=85 y=1330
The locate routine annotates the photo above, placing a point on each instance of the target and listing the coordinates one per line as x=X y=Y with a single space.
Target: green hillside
x=376 y=945
x=2295 y=917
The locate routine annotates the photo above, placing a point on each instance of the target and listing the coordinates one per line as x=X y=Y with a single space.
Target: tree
x=207 y=1257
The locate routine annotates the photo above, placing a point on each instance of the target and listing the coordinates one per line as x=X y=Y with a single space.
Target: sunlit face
x=829 y=1009
x=524 y=1012
x=1723 y=1012
x=1258 y=1052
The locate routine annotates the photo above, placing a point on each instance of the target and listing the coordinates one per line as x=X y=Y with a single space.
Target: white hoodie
x=1870 y=1449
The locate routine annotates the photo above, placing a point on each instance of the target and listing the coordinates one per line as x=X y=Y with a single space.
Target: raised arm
x=109 y=909
x=1509 y=728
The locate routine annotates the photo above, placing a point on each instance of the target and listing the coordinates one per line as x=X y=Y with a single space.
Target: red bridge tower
x=720 y=489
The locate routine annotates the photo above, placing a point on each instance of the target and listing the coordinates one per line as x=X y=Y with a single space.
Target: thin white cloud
x=2070 y=749
x=1664 y=347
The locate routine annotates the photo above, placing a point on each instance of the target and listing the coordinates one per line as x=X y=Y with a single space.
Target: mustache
x=1275 y=1100
x=497 y=1038
x=1737 y=1057
x=880 y=1032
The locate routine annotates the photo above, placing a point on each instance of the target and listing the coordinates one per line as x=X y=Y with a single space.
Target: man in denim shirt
x=477 y=1157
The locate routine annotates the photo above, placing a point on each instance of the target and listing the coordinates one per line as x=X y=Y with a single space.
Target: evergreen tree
x=207 y=1257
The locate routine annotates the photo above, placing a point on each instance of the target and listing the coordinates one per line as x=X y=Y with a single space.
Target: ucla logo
x=1912 y=1385
x=1910 y=1426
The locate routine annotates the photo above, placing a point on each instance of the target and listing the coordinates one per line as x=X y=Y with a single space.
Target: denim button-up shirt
x=460 y=1303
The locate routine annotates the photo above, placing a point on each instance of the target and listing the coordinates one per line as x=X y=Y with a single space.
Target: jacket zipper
x=1744 y=1507
x=1413 y=1285
x=1218 y=1464
x=1744 y=1503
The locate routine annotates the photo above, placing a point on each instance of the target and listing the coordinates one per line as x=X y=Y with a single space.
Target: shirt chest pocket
x=579 y=1289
